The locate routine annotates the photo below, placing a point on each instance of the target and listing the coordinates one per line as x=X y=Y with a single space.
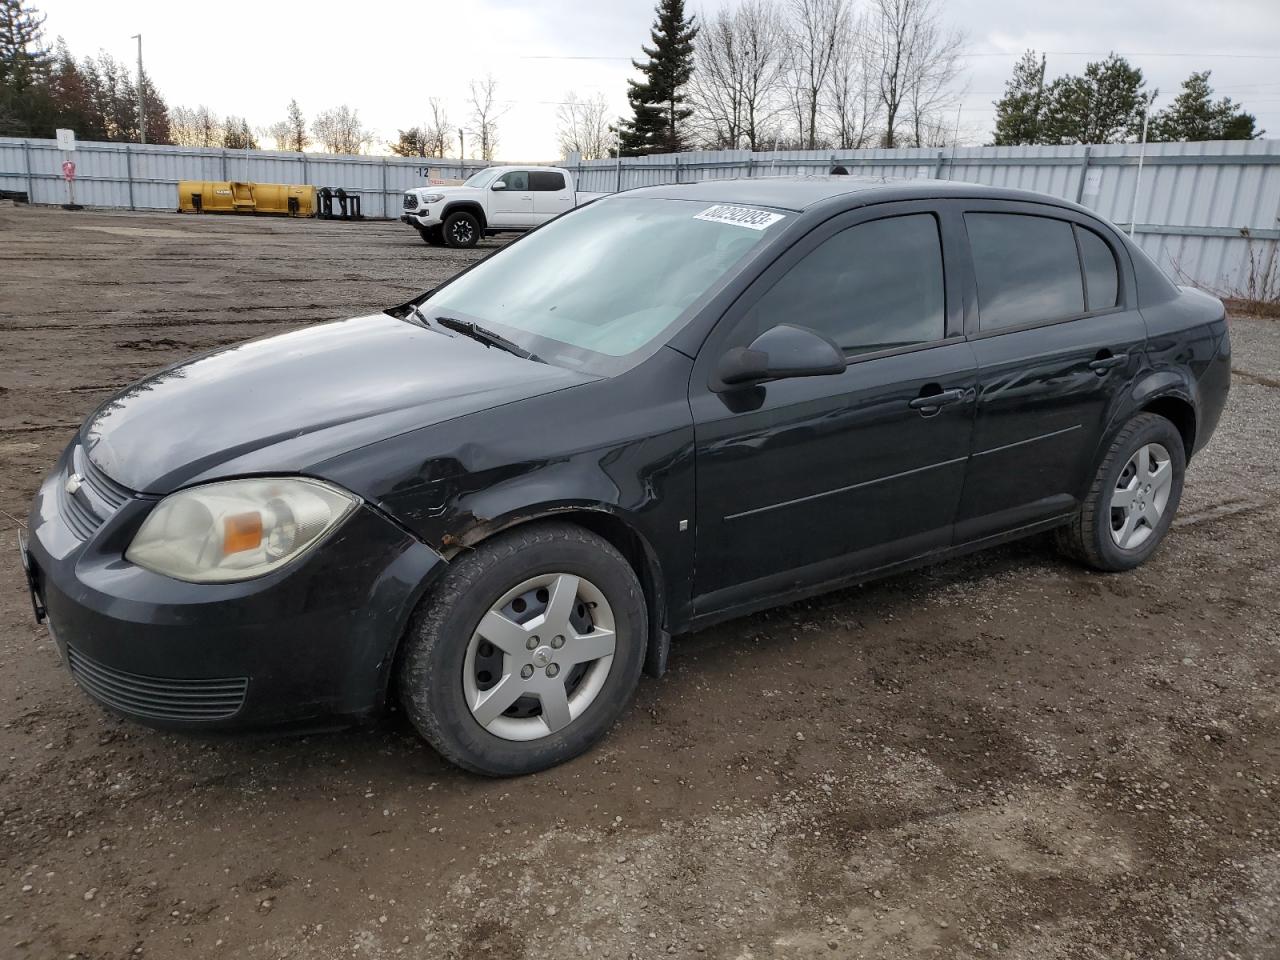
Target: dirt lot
x=1001 y=756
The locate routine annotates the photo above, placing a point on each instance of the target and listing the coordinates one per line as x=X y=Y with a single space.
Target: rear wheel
x=527 y=652
x=1133 y=498
x=461 y=229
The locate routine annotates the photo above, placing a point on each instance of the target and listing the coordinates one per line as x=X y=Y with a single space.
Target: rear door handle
x=1103 y=364
x=932 y=401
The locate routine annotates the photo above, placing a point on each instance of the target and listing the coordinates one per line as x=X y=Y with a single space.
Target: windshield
x=596 y=289
x=480 y=179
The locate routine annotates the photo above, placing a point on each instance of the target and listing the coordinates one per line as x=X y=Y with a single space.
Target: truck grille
x=410 y=201
x=158 y=698
x=98 y=497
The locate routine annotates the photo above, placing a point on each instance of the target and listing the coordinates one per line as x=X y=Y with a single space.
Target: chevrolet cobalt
x=497 y=502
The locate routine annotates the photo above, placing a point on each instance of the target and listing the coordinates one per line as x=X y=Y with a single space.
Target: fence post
x=306 y=177
x=1084 y=171
x=224 y=164
x=751 y=166
x=128 y=172
x=26 y=156
x=937 y=171
x=618 y=187
x=384 y=189
x=677 y=168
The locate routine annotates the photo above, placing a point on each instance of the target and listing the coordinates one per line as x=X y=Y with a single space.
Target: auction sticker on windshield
x=740 y=216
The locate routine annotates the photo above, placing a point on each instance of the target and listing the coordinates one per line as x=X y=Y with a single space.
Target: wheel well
x=1181 y=414
x=474 y=209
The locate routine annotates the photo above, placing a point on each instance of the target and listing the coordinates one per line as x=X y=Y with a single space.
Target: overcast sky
x=386 y=57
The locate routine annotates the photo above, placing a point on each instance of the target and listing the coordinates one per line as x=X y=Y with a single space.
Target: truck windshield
x=480 y=179
x=598 y=288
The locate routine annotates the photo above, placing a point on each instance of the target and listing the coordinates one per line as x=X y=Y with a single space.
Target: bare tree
x=196 y=127
x=339 y=130
x=485 y=114
x=291 y=132
x=740 y=62
x=582 y=127
x=853 y=104
x=815 y=35
x=438 y=131
x=917 y=61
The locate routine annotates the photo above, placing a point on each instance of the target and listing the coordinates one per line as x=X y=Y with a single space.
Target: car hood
x=286 y=402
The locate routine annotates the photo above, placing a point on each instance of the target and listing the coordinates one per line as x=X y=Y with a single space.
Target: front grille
x=97 y=499
x=158 y=698
x=410 y=201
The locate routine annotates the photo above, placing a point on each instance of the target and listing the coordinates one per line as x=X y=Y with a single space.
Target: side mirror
x=780 y=353
x=500 y=185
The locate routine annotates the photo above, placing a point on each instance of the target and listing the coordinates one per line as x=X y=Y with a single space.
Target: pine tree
x=25 y=105
x=1020 y=112
x=1194 y=116
x=657 y=103
x=1105 y=105
x=237 y=135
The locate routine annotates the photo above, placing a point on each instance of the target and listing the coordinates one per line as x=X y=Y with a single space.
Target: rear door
x=805 y=480
x=512 y=204
x=551 y=194
x=1058 y=340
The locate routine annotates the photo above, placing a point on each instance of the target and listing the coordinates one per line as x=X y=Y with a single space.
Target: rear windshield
x=602 y=287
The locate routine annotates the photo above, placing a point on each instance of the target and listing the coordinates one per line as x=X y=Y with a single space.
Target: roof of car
x=798 y=193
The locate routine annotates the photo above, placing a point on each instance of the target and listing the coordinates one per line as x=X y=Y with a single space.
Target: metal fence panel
x=1203 y=211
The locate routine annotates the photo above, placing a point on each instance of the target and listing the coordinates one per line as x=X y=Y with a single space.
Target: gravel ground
x=1004 y=755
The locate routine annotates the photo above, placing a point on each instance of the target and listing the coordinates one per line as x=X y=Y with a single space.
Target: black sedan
x=677 y=405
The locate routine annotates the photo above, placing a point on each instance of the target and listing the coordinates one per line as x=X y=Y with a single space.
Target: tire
x=461 y=230
x=445 y=647
x=432 y=236
x=1125 y=517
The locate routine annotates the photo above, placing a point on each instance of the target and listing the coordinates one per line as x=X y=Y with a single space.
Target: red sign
x=68 y=170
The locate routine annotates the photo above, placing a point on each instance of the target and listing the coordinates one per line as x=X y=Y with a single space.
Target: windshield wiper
x=487 y=337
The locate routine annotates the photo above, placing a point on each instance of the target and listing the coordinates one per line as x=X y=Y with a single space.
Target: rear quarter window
x=1027 y=268
x=1102 y=278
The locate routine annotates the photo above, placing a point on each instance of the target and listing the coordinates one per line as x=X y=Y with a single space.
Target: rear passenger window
x=1027 y=269
x=546 y=181
x=1102 y=281
x=871 y=287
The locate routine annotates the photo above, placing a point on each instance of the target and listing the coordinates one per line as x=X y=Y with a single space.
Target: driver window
x=875 y=286
x=516 y=180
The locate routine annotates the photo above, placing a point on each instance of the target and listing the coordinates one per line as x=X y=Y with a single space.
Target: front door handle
x=928 y=403
x=1107 y=362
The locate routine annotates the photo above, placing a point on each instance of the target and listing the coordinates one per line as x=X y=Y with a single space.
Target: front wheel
x=461 y=230
x=1134 y=496
x=528 y=651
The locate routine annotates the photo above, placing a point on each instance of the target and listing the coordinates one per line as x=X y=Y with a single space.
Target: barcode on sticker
x=739 y=216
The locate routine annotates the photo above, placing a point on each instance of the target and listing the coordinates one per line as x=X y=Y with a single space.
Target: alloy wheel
x=539 y=657
x=1141 y=496
x=462 y=232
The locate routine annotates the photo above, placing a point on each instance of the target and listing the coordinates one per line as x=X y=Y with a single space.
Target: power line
x=1000 y=53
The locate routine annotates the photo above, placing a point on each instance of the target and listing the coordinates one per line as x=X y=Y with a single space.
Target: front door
x=806 y=480
x=512 y=204
x=1058 y=340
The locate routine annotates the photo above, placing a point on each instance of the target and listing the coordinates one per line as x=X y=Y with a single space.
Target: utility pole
x=462 y=152
x=142 y=113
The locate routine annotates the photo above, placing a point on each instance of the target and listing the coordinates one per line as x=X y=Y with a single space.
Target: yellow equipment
x=212 y=196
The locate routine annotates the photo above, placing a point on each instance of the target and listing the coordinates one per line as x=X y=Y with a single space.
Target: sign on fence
x=66 y=140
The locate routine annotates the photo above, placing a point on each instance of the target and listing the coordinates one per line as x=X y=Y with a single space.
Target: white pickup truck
x=495 y=200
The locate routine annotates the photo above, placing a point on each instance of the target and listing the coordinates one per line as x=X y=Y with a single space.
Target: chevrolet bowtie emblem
x=74 y=483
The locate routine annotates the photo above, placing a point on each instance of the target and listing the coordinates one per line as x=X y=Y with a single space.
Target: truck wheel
x=527 y=652
x=461 y=229
x=432 y=236
x=1132 y=500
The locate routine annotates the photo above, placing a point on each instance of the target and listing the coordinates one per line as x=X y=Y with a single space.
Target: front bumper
x=420 y=219
x=311 y=644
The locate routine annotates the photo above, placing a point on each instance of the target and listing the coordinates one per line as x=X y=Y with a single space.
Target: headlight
x=237 y=529
x=432 y=197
